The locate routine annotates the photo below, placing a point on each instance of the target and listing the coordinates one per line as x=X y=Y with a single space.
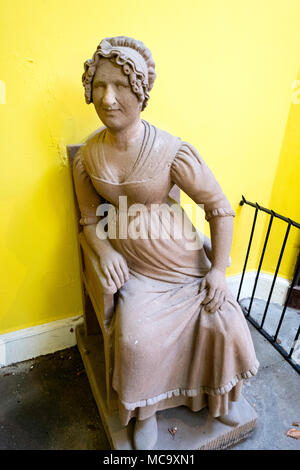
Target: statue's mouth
x=110 y=110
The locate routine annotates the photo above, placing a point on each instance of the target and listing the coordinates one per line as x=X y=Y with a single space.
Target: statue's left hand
x=215 y=283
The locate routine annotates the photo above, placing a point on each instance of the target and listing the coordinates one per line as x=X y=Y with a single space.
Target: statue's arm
x=101 y=247
x=208 y=249
x=193 y=176
x=113 y=264
x=221 y=229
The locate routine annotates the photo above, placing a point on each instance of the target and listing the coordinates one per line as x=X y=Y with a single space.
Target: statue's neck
x=123 y=139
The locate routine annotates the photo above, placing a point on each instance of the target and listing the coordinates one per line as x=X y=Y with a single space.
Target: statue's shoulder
x=88 y=149
x=165 y=142
x=93 y=138
x=88 y=146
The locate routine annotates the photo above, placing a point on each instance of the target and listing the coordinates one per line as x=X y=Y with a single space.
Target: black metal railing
x=247 y=310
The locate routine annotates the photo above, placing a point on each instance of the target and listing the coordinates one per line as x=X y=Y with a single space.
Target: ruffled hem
x=193 y=392
x=220 y=212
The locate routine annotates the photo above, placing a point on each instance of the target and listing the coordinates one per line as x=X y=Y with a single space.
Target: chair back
x=71 y=152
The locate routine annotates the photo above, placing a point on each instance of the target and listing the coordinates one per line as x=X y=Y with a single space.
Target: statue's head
x=119 y=78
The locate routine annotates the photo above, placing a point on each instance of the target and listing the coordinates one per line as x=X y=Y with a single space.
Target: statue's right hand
x=115 y=268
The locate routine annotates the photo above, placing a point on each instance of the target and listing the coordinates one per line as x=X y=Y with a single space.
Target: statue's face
x=115 y=103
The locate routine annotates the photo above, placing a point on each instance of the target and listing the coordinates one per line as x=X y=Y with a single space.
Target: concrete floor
x=289 y=325
x=46 y=403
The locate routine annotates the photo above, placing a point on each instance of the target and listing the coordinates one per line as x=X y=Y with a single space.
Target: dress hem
x=192 y=392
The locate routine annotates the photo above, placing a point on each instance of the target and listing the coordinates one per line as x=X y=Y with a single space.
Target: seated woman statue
x=180 y=337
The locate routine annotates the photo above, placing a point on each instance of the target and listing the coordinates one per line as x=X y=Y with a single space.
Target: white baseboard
x=263 y=287
x=32 y=342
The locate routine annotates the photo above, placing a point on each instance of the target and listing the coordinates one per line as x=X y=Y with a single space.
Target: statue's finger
x=108 y=275
x=109 y=288
x=202 y=285
x=224 y=298
x=213 y=304
x=119 y=272
x=125 y=270
x=210 y=295
x=219 y=303
x=115 y=277
x=124 y=267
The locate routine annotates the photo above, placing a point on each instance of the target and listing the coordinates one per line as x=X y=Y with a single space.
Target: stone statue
x=180 y=337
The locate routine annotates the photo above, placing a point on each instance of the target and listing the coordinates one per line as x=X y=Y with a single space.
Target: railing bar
x=248 y=251
x=269 y=211
x=293 y=344
x=285 y=306
x=275 y=274
x=246 y=311
x=260 y=262
x=274 y=343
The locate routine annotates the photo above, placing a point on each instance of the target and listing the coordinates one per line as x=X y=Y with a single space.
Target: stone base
x=195 y=430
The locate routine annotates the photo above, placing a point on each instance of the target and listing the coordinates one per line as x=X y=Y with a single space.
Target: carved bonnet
x=135 y=59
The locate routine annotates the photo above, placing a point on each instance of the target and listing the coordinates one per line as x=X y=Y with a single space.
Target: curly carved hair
x=135 y=59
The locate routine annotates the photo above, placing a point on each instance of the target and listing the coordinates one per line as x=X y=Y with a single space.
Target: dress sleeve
x=192 y=175
x=87 y=196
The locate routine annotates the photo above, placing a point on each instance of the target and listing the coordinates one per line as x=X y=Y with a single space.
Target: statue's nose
x=109 y=97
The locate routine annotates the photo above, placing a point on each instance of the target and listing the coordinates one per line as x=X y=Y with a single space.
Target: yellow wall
x=225 y=71
x=285 y=196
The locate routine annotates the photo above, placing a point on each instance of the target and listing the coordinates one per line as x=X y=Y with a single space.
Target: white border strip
x=263 y=287
x=22 y=345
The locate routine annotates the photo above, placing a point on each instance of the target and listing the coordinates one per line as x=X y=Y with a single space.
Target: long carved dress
x=168 y=350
